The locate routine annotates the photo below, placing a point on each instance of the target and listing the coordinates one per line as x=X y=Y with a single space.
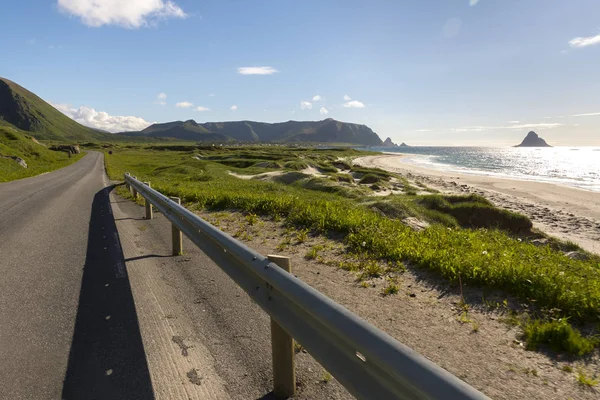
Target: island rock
x=388 y=143
x=533 y=140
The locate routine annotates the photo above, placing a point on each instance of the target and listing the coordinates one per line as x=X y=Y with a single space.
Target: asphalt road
x=93 y=306
x=44 y=224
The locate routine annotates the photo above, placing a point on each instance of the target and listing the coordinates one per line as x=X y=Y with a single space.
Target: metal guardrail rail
x=369 y=363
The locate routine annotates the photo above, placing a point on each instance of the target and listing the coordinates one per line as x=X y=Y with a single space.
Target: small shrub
x=295 y=165
x=313 y=252
x=251 y=219
x=567 y=368
x=558 y=335
x=302 y=235
x=391 y=288
x=369 y=179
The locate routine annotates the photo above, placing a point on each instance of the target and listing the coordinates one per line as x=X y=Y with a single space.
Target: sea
x=572 y=166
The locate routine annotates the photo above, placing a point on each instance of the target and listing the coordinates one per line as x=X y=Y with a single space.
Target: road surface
x=92 y=305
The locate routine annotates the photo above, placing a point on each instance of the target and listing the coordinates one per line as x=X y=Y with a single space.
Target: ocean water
x=572 y=166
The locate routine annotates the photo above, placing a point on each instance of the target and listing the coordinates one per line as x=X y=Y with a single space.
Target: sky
x=424 y=72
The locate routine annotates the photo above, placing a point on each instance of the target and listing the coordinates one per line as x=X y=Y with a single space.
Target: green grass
x=585 y=380
x=558 y=335
x=39 y=159
x=489 y=257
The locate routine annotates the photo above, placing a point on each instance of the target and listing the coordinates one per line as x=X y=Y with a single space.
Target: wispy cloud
x=200 y=108
x=473 y=2
x=101 y=120
x=479 y=128
x=323 y=111
x=317 y=98
x=354 y=104
x=423 y=130
x=211 y=95
x=184 y=104
x=584 y=41
x=161 y=99
x=587 y=114
x=234 y=107
x=513 y=122
x=30 y=41
x=129 y=14
x=347 y=98
x=305 y=105
x=256 y=70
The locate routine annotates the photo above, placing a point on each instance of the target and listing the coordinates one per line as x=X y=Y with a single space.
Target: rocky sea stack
x=533 y=140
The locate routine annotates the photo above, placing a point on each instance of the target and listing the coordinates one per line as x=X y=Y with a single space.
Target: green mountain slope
x=326 y=131
x=24 y=110
x=16 y=143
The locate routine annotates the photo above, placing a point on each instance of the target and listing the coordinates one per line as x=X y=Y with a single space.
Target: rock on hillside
x=533 y=140
x=325 y=131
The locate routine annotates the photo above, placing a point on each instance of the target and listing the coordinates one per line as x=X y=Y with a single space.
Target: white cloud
x=354 y=104
x=323 y=111
x=584 y=41
x=347 y=98
x=200 y=108
x=587 y=114
x=101 y=120
x=256 y=70
x=160 y=99
x=233 y=107
x=473 y=2
x=513 y=122
x=128 y=14
x=317 y=98
x=423 y=130
x=479 y=128
x=211 y=95
x=184 y=104
x=305 y=105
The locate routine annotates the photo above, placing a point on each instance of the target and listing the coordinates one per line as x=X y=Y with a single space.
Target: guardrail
x=369 y=363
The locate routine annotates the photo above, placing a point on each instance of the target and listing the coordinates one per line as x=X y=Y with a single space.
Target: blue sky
x=448 y=72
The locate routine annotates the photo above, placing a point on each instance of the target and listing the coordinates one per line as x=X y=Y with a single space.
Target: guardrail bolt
x=282 y=345
x=176 y=234
x=148 y=204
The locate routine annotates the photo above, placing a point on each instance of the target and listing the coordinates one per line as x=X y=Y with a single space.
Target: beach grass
x=456 y=245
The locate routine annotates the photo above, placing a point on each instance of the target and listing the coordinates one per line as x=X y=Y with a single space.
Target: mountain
x=24 y=110
x=388 y=143
x=403 y=145
x=533 y=140
x=326 y=131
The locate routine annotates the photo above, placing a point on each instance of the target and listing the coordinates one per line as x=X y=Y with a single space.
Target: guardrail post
x=133 y=191
x=177 y=236
x=127 y=184
x=148 y=204
x=282 y=345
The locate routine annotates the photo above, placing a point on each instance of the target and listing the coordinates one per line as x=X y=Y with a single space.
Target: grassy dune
x=468 y=238
x=39 y=159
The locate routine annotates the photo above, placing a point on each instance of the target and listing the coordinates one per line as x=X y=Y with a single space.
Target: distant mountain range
x=325 y=131
x=24 y=110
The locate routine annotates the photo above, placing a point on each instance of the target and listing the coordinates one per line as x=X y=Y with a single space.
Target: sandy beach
x=564 y=212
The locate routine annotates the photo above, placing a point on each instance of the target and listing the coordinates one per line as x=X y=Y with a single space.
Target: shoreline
x=452 y=170
x=565 y=212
